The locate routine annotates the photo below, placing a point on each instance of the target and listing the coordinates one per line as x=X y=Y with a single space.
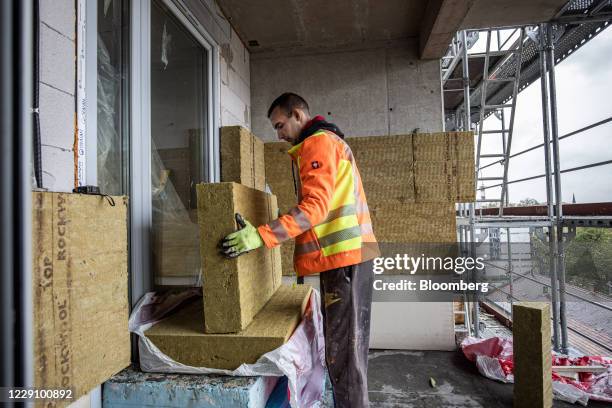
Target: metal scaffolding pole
x=549 y=199
x=509 y=244
x=467 y=128
x=550 y=48
x=16 y=344
x=7 y=128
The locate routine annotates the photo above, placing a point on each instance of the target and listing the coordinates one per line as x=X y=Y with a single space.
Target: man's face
x=288 y=125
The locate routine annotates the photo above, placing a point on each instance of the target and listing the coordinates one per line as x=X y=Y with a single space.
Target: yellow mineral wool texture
x=459 y=309
x=176 y=249
x=385 y=164
x=444 y=167
x=532 y=355
x=439 y=167
x=235 y=289
x=280 y=181
x=414 y=222
x=181 y=336
x=287 y=249
x=242 y=157
x=79 y=248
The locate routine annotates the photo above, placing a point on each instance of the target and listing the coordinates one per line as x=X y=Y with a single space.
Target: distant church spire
x=573 y=198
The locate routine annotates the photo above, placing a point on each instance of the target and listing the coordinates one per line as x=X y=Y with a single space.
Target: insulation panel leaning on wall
x=80 y=290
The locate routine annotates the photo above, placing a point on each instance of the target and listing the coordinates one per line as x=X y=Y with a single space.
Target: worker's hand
x=242 y=241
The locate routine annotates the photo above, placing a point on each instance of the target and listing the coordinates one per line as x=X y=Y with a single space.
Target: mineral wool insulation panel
x=80 y=280
x=235 y=289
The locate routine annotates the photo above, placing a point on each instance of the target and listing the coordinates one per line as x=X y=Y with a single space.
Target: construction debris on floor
x=575 y=379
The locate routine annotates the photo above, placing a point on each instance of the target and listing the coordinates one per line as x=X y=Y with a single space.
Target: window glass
x=113 y=97
x=178 y=121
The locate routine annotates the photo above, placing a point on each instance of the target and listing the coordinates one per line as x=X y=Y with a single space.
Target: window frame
x=140 y=129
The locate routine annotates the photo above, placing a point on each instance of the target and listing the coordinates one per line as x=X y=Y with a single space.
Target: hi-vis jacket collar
x=316 y=124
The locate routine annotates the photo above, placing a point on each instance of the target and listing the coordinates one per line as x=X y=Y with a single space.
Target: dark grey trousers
x=347 y=298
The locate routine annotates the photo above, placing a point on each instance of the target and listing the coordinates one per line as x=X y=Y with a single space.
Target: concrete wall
x=57 y=92
x=366 y=92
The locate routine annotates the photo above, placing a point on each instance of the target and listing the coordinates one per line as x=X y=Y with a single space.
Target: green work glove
x=242 y=241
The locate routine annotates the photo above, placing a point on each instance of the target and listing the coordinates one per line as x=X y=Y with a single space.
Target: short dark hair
x=288 y=102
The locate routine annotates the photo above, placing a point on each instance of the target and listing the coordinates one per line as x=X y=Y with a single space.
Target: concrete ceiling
x=286 y=24
x=500 y=13
x=444 y=18
x=276 y=25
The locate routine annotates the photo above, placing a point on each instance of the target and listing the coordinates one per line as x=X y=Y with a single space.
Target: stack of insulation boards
x=175 y=225
x=245 y=311
x=242 y=157
x=80 y=290
x=412 y=183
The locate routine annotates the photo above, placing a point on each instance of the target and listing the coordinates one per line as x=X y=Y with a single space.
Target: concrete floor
x=395 y=378
x=401 y=379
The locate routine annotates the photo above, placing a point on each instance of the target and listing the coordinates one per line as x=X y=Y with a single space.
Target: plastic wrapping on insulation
x=301 y=359
x=494 y=360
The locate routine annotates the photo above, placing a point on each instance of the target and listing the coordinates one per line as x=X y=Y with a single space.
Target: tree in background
x=526 y=202
x=588 y=258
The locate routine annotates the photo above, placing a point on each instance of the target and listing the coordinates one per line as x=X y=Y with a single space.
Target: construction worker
x=333 y=232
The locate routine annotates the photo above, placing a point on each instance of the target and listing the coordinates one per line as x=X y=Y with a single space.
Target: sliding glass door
x=179 y=87
x=174 y=141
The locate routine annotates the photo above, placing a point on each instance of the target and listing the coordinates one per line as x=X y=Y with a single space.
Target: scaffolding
x=480 y=85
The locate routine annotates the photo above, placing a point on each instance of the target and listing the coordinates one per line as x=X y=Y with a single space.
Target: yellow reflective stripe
x=338 y=224
x=294 y=148
x=342 y=246
x=343 y=193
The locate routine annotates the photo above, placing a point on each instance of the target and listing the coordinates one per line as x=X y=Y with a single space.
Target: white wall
x=366 y=92
x=235 y=83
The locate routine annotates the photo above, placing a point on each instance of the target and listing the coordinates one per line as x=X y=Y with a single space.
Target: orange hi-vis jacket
x=331 y=223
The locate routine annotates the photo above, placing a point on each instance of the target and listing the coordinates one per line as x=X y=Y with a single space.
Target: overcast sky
x=584 y=96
